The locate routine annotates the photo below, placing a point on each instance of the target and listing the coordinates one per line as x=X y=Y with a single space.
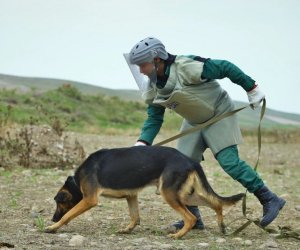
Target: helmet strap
x=153 y=74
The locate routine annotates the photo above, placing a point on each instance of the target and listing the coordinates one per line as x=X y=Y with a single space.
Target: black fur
x=139 y=166
x=122 y=172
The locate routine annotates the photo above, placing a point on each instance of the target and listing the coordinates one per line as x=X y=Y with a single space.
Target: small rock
x=60 y=146
x=220 y=240
x=76 y=241
x=248 y=243
x=274 y=235
x=203 y=244
x=297 y=208
x=63 y=236
x=237 y=239
x=272 y=244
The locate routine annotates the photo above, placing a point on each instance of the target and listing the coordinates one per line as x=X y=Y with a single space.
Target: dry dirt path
x=27 y=194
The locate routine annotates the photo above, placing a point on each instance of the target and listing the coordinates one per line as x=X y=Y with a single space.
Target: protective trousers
x=239 y=170
x=194 y=145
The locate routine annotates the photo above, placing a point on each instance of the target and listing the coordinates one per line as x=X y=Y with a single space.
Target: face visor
x=144 y=83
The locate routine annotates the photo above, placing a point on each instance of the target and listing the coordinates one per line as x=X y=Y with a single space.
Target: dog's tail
x=231 y=200
x=197 y=191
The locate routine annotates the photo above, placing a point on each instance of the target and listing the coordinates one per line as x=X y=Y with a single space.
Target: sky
x=84 y=40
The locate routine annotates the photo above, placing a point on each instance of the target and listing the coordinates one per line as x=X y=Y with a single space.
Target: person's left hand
x=140 y=143
x=255 y=96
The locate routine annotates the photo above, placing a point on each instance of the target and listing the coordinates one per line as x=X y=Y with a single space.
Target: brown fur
x=192 y=190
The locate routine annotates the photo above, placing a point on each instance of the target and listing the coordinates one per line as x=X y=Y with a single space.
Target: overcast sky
x=83 y=40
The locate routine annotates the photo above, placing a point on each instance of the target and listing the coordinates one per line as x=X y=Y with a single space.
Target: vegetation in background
x=32 y=124
x=28 y=127
x=66 y=108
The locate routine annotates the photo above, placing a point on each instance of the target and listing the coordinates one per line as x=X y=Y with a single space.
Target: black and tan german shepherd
x=123 y=172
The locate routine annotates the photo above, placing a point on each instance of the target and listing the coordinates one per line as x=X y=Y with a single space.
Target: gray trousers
x=192 y=145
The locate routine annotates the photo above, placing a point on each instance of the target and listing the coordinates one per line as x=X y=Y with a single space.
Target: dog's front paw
x=175 y=236
x=50 y=229
x=223 y=228
x=125 y=231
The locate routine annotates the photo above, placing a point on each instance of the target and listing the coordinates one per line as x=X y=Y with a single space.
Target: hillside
x=26 y=84
x=30 y=87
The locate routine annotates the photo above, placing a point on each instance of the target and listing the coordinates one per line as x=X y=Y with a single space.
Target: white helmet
x=146 y=50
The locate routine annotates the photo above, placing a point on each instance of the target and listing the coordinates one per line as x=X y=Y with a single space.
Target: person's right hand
x=255 y=97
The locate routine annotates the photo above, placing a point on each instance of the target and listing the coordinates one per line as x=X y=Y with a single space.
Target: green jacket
x=197 y=75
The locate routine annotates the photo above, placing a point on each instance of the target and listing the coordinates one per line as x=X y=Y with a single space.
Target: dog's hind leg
x=220 y=218
x=133 y=206
x=188 y=218
x=84 y=205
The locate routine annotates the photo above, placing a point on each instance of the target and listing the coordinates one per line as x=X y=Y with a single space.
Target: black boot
x=198 y=225
x=271 y=205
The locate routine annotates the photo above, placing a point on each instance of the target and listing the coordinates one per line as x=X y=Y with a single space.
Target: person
x=188 y=85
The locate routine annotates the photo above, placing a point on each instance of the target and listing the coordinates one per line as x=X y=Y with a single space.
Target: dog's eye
x=62 y=197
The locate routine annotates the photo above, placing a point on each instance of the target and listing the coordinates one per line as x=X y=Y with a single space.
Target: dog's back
x=133 y=167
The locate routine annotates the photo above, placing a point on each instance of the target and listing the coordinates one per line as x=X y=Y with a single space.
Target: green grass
x=68 y=108
x=71 y=108
x=40 y=223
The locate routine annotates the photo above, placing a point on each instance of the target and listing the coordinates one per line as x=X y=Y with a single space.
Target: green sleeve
x=219 y=69
x=153 y=123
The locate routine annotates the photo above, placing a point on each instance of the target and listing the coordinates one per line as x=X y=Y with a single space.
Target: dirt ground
x=27 y=205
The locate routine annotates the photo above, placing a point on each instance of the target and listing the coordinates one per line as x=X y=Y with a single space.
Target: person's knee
x=239 y=170
x=229 y=160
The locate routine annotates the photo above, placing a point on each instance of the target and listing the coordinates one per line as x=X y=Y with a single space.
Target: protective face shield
x=144 y=83
x=145 y=51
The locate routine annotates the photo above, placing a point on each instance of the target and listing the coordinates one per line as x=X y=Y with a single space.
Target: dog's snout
x=56 y=217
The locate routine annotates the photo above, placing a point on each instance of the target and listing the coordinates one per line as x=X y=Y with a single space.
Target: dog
x=124 y=172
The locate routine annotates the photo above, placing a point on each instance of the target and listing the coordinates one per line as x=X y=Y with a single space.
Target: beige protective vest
x=198 y=100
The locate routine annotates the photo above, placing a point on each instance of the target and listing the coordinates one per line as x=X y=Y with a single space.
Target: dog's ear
x=70 y=179
x=63 y=196
x=70 y=183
